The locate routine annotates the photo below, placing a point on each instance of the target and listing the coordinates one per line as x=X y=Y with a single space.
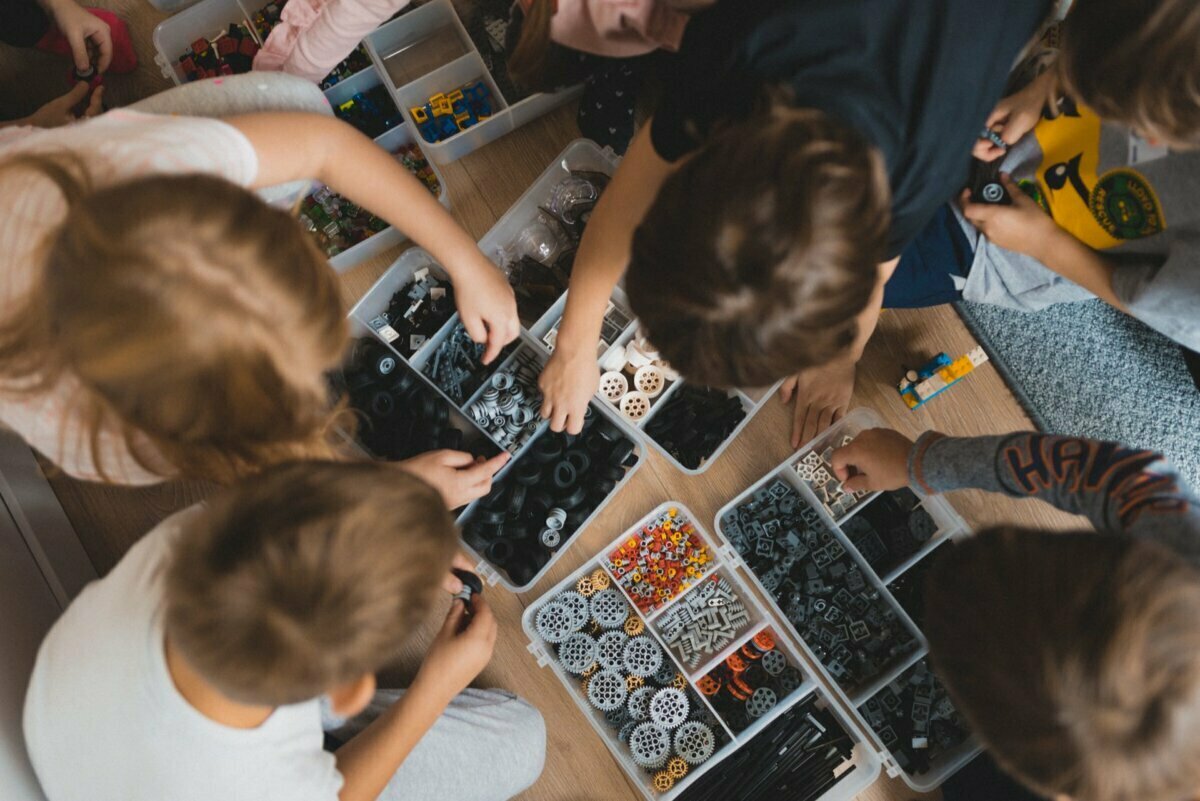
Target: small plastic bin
x=599 y=592
x=761 y=547
x=428 y=51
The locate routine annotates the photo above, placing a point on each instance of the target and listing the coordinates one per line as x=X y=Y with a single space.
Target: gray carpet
x=1089 y=370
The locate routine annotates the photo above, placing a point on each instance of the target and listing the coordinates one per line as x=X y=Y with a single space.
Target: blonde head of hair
x=198 y=320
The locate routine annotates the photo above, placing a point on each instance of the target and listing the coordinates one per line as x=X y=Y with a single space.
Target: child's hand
x=1017 y=114
x=459 y=652
x=877 y=459
x=1022 y=227
x=568 y=383
x=488 y=309
x=457 y=475
x=822 y=397
x=58 y=112
x=79 y=28
x=452 y=583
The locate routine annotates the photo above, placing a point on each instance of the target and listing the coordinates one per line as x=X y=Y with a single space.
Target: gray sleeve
x=1163 y=293
x=1119 y=489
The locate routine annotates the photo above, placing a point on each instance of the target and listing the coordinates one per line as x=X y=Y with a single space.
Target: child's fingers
x=455 y=459
x=483 y=471
x=79 y=51
x=78 y=92
x=844 y=458
x=454 y=618
x=857 y=483
x=547 y=409
x=96 y=104
x=787 y=389
x=495 y=343
x=103 y=41
x=574 y=423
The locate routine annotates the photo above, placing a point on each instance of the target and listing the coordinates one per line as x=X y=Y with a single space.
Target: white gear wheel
x=577 y=605
x=554 y=622
x=609 y=609
x=650 y=745
x=577 y=653
x=695 y=742
x=642 y=657
x=774 y=662
x=761 y=702
x=669 y=707
x=639 y=703
x=610 y=649
x=606 y=690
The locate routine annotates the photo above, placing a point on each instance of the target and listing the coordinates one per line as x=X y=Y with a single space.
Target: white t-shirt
x=104 y=722
x=117 y=146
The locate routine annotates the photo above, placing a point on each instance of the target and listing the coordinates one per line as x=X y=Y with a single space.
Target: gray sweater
x=1119 y=489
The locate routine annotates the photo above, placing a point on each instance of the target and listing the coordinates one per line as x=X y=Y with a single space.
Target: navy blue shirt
x=916 y=78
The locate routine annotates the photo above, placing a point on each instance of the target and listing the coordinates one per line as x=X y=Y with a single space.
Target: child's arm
x=1119 y=489
x=1017 y=114
x=822 y=394
x=571 y=376
x=59 y=111
x=1024 y=228
x=293 y=146
x=368 y=762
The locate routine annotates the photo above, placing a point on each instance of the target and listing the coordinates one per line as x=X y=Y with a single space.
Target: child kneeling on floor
x=206 y=663
x=1074 y=655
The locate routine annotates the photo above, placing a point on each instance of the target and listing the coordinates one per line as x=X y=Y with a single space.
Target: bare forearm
x=604 y=252
x=368 y=762
x=1078 y=263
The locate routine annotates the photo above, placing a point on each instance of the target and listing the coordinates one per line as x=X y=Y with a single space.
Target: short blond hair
x=1076 y=658
x=305 y=577
x=199 y=320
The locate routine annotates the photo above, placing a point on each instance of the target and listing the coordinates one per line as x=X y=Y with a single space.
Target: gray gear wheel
x=669 y=708
x=650 y=745
x=577 y=606
x=554 y=622
x=606 y=690
x=642 y=657
x=609 y=609
x=695 y=742
x=665 y=674
x=610 y=650
x=639 y=703
x=577 y=653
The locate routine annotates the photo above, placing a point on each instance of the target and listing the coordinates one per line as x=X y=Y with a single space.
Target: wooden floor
x=482 y=186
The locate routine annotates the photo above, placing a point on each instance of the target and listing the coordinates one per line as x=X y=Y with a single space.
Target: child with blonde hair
x=162 y=321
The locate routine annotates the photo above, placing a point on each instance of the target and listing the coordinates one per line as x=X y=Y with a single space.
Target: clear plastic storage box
x=556 y=643
x=174 y=36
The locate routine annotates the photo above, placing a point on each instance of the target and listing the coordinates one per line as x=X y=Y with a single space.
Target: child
x=197 y=668
x=870 y=88
x=1133 y=63
x=163 y=322
x=1074 y=655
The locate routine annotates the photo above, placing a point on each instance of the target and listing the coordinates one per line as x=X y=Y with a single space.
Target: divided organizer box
x=427 y=51
x=863 y=758
x=174 y=36
x=581 y=155
x=886 y=582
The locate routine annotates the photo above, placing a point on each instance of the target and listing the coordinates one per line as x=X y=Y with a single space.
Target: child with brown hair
x=201 y=666
x=867 y=88
x=162 y=321
x=1076 y=656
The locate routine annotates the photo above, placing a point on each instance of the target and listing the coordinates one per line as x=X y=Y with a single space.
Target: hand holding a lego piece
x=568 y=383
x=458 y=476
x=877 y=460
x=1021 y=227
x=83 y=31
x=461 y=650
x=822 y=396
x=487 y=305
x=452 y=583
x=1015 y=115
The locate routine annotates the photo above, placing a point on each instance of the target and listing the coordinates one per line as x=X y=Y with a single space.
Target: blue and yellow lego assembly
x=450 y=113
x=920 y=385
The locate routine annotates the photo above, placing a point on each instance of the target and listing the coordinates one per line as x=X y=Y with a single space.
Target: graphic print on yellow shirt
x=1099 y=210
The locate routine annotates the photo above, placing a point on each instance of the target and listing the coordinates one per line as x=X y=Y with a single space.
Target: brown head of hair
x=761 y=248
x=305 y=577
x=1076 y=658
x=1137 y=62
x=198 y=320
x=535 y=62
